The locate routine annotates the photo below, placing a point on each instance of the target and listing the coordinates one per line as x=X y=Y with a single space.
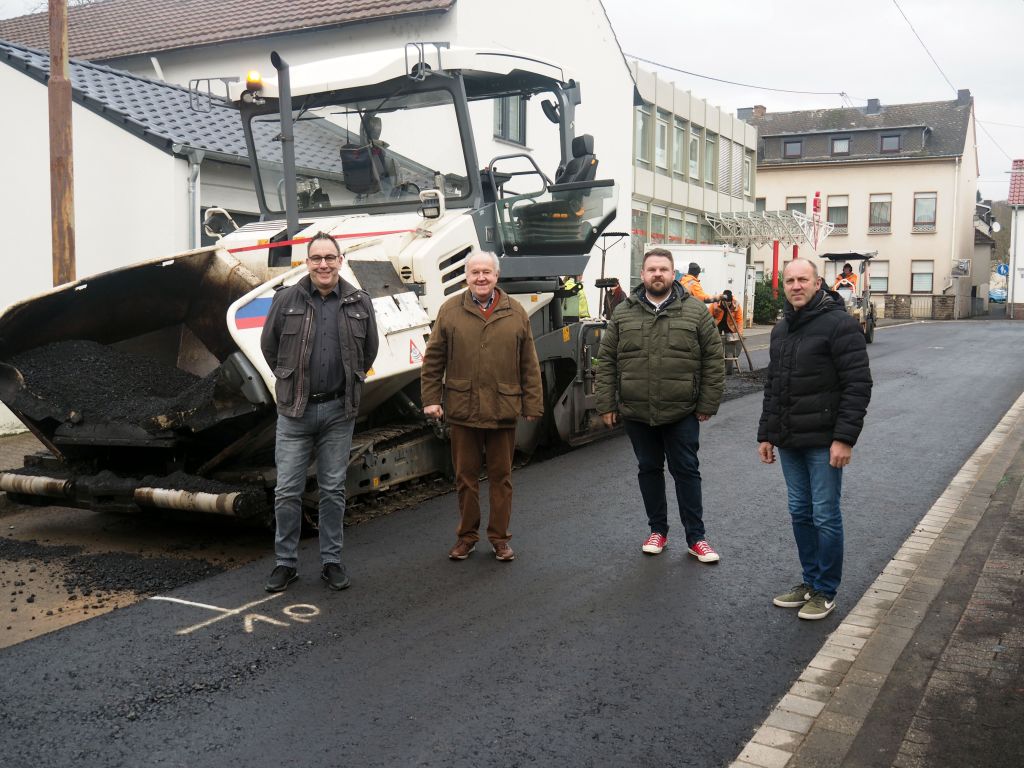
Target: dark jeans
x=814 y=490
x=679 y=442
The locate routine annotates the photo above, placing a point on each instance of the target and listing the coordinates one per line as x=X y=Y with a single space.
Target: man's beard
x=659 y=295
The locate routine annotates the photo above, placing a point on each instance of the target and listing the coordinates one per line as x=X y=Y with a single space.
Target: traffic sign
x=1003 y=269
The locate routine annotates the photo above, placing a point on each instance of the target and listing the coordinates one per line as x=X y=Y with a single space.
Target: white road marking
x=225 y=612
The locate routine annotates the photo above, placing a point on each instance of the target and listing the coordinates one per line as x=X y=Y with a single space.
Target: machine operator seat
x=583 y=165
x=562 y=216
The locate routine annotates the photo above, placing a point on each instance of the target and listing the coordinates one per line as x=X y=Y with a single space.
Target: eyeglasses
x=319 y=259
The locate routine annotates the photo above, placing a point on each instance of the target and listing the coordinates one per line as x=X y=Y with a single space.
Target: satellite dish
x=996 y=226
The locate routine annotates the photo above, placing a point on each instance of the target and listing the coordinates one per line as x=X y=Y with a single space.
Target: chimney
x=963 y=97
x=760 y=110
x=744 y=113
x=874 y=107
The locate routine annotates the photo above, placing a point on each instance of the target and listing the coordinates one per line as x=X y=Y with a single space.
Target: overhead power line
x=841 y=94
x=894 y=2
x=1005 y=125
x=936 y=63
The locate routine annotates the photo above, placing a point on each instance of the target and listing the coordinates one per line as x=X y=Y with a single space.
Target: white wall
x=130 y=198
x=585 y=46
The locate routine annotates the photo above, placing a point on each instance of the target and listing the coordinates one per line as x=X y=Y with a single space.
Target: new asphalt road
x=582 y=652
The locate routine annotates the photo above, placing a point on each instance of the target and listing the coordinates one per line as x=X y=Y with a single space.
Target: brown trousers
x=468 y=448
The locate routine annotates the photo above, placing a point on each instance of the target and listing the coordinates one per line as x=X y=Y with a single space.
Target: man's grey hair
x=814 y=267
x=489 y=254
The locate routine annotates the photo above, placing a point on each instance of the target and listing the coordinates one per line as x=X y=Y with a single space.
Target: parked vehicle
x=147 y=384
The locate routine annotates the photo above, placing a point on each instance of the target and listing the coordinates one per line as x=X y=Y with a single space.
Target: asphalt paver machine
x=146 y=384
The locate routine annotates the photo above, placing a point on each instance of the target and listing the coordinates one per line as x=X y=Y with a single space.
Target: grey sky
x=864 y=48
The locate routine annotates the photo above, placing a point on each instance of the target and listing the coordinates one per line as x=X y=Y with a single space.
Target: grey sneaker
x=818 y=607
x=794 y=598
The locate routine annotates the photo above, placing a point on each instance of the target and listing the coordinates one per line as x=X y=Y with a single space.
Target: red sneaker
x=704 y=552
x=655 y=544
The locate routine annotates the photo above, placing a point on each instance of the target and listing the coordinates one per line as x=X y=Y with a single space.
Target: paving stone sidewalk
x=927 y=670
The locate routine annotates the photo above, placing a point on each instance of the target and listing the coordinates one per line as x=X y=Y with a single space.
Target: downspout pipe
x=284 y=89
x=195 y=161
x=953 y=243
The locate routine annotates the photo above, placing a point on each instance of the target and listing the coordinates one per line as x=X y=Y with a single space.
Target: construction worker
x=847 y=275
x=575 y=306
x=691 y=282
x=728 y=317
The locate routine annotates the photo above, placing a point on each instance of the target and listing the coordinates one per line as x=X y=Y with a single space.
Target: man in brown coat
x=482 y=365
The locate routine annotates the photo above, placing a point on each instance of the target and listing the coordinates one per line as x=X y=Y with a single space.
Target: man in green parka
x=661 y=369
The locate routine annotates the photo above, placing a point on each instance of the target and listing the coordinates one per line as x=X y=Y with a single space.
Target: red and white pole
x=775 y=269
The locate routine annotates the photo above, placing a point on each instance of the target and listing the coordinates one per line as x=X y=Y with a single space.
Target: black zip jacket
x=819 y=380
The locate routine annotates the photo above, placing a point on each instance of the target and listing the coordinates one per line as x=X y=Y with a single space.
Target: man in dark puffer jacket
x=815 y=399
x=661 y=370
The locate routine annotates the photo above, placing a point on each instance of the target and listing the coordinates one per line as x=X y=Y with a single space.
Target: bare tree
x=42 y=6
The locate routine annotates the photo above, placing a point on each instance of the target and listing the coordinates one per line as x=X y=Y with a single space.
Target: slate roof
x=157 y=112
x=928 y=130
x=112 y=29
x=1016 y=196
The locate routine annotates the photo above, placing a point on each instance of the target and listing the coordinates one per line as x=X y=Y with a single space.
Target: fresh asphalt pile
x=92 y=382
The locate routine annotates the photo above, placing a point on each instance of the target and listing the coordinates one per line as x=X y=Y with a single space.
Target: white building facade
x=690 y=158
x=900 y=180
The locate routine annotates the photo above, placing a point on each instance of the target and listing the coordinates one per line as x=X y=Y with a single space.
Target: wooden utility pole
x=62 y=172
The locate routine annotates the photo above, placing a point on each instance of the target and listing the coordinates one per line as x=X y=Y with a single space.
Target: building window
x=921 y=276
x=658 y=225
x=794 y=148
x=510 y=119
x=759 y=204
x=638 y=230
x=838 y=211
x=748 y=175
x=924 y=211
x=879 y=214
x=661 y=142
x=891 y=143
x=643 y=136
x=710 y=164
x=707 y=233
x=796 y=204
x=679 y=149
x=692 y=227
x=675 y=227
x=840 y=147
x=695 y=153
x=879 y=271
x=758 y=271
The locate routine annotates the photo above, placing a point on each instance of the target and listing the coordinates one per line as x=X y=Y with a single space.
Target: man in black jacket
x=320 y=339
x=815 y=399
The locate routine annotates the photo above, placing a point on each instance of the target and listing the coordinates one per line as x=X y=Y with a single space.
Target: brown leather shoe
x=504 y=553
x=461 y=550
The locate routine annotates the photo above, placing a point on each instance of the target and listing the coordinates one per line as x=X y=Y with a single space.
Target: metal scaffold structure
x=755 y=229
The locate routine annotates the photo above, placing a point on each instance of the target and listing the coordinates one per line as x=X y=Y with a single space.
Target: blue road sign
x=1003 y=269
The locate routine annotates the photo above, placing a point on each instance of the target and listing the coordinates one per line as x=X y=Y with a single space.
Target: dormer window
x=891 y=143
x=840 y=146
x=792 y=148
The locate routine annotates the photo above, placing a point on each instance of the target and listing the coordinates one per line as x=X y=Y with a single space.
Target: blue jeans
x=323 y=428
x=679 y=442
x=814 y=489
